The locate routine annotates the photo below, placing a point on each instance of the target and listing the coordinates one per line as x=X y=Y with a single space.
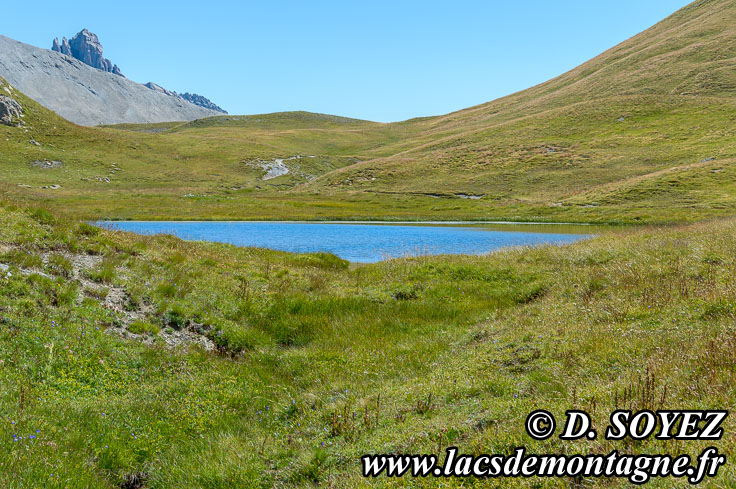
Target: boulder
x=10 y=109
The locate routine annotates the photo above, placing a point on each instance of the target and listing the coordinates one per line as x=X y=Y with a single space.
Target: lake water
x=364 y=243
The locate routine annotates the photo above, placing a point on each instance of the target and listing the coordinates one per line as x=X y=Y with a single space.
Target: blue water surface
x=364 y=243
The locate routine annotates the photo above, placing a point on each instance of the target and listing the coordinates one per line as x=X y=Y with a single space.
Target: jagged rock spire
x=62 y=47
x=86 y=47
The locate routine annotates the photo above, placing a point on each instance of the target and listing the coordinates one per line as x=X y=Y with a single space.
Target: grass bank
x=285 y=368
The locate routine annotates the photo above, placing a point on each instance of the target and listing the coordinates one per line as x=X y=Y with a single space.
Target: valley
x=146 y=361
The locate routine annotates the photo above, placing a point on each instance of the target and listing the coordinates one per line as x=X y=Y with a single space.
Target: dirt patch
x=274 y=168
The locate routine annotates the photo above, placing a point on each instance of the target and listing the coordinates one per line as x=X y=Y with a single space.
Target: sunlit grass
x=316 y=363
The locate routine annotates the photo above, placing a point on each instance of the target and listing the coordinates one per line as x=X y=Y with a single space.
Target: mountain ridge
x=85 y=46
x=617 y=139
x=86 y=95
x=189 y=97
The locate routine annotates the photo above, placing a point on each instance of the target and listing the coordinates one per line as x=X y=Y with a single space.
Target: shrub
x=87 y=230
x=60 y=265
x=99 y=294
x=103 y=273
x=42 y=216
x=175 y=317
x=143 y=327
x=325 y=261
x=65 y=294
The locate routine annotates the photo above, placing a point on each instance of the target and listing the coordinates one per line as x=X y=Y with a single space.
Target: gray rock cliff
x=86 y=95
x=86 y=47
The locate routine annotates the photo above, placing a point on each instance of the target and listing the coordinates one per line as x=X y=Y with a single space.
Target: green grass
x=316 y=362
x=60 y=265
x=258 y=368
x=104 y=273
x=143 y=327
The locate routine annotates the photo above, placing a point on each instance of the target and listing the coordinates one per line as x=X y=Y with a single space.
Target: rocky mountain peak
x=86 y=47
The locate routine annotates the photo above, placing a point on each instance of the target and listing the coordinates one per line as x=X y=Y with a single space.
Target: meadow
x=149 y=360
x=642 y=134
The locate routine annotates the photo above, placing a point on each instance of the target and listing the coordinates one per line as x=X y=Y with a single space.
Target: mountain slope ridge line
x=86 y=95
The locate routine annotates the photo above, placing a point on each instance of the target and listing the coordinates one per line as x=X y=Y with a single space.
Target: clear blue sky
x=378 y=60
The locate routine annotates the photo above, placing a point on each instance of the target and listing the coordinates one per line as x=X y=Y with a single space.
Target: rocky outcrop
x=62 y=47
x=160 y=89
x=86 y=47
x=189 y=97
x=10 y=110
x=201 y=101
x=86 y=95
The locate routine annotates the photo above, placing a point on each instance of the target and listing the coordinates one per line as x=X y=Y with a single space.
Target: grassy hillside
x=642 y=133
x=623 y=134
x=150 y=362
x=111 y=345
x=106 y=170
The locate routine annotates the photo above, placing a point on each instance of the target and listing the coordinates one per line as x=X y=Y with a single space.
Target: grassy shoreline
x=427 y=351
